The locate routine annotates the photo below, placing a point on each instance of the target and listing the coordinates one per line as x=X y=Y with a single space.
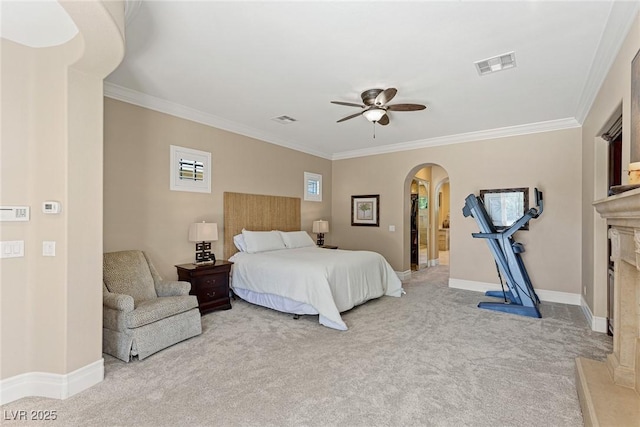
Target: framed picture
x=505 y=206
x=365 y=210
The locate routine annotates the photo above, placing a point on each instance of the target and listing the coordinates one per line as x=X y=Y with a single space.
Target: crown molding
x=153 y=103
x=621 y=17
x=551 y=125
x=140 y=99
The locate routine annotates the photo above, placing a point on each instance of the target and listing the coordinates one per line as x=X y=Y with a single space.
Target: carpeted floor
x=430 y=358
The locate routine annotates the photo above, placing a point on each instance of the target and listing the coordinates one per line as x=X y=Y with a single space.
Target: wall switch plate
x=392 y=228
x=48 y=248
x=12 y=249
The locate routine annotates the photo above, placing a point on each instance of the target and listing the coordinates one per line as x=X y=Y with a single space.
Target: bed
x=280 y=267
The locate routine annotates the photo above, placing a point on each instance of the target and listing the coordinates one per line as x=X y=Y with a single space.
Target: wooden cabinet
x=443 y=239
x=210 y=283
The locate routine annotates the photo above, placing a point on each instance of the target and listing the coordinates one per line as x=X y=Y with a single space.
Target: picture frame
x=365 y=210
x=506 y=205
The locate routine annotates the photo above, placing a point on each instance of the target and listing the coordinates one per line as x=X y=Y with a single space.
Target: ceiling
x=237 y=65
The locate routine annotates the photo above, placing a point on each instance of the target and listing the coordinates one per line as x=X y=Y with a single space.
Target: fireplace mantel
x=609 y=391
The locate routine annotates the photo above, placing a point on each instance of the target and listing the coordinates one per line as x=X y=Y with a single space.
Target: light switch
x=12 y=249
x=392 y=228
x=49 y=248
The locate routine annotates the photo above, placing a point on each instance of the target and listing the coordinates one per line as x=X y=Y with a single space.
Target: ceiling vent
x=285 y=120
x=497 y=63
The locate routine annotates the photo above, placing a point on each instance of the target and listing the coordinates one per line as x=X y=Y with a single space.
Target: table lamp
x=320 y=227
x=203 y=233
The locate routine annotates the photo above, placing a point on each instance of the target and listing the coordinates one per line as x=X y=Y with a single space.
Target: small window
x=190 y=170
x=312 y=187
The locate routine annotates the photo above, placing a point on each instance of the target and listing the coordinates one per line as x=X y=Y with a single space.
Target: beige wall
x=141 y=212
x=616 y=90
x=550 y=161
x=52 y=150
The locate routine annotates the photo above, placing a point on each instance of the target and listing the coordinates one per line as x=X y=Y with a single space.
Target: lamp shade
x=203 y=232
x=374 y=114
x=320 y=226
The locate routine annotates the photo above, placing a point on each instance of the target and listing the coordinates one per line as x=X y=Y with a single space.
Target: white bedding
x=326 y=281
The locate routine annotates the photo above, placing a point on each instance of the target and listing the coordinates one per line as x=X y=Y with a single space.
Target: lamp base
x=204 y=256
x=320 y=240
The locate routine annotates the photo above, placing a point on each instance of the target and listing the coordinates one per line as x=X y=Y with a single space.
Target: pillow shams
x=297 y=239
x=262 y=241
x=238 y=240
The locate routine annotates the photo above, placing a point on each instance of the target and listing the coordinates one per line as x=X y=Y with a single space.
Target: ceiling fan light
x=374 y=114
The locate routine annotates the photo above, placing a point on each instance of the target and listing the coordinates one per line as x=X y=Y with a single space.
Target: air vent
x=285 y=120
x=497 y=63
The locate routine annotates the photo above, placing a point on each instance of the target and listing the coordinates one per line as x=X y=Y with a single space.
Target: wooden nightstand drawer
x=215 y=280
x=212 y=293
x=210 y=283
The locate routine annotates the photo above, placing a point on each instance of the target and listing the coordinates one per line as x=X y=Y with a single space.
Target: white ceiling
x=236 y=65
x=40 y=23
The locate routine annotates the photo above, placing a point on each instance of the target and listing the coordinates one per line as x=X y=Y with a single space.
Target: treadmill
x=520 y=298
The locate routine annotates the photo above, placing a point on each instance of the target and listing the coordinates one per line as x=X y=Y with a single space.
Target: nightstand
x=210 y=283
x=328 y=247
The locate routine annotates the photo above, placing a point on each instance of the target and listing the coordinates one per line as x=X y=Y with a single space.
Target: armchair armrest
x=172 y=289
x=120 y=302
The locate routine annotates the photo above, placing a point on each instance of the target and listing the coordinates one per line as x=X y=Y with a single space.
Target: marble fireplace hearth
x=609 y=391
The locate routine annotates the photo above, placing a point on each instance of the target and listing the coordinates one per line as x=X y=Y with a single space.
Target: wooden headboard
x=257 y=212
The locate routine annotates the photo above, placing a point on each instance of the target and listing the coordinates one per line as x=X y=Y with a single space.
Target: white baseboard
x=597 y=324
x=56 y=386
x=544 y=295
x=404 y=275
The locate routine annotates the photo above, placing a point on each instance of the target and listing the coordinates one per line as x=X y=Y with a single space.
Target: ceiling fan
x=374 y=105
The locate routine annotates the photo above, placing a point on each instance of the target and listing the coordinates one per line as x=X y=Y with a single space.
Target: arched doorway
x=426 y=194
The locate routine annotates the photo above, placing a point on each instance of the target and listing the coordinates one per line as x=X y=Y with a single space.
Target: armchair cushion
x=127 y=272
x=152 y=310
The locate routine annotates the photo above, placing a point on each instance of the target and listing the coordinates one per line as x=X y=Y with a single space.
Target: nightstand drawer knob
x=210 y=281
x=211 y=294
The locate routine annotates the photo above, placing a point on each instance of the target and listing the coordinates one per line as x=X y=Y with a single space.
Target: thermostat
x=51 y=207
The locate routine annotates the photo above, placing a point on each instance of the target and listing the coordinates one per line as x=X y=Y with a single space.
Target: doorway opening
x=427 y=193
x=442 y=190
x=419 y=224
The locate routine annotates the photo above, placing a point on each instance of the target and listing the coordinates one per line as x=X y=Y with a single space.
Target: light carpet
x=430 y=358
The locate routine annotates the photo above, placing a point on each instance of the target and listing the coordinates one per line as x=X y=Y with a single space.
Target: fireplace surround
x=609 y=391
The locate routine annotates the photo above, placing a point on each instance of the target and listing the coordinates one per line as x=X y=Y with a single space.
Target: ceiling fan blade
x=406 y=107
x=384 y=120
x=385 y=96
x=348 y=104
x=349 y=117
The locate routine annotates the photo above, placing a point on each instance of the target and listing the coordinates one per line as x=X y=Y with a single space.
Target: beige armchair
x=142 y=314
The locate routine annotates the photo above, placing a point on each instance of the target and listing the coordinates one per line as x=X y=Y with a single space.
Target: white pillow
x=238 y=240
x=262 y=241
x=297 y=239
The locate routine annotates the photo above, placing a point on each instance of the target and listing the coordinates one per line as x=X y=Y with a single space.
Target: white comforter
x=329 y=280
